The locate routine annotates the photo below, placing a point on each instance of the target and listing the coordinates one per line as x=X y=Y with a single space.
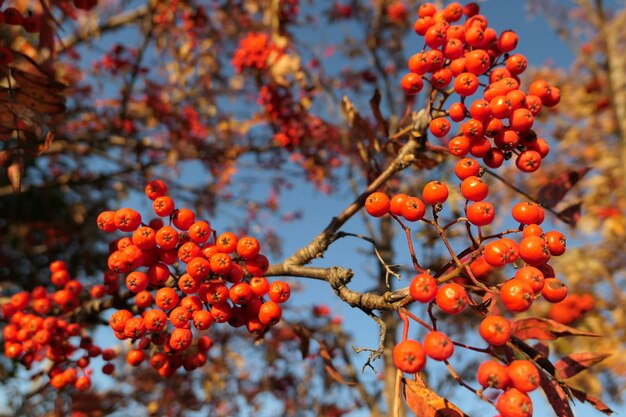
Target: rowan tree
x=151 y=153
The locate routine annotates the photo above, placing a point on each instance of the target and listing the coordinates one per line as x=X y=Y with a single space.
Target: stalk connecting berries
x=185 y=276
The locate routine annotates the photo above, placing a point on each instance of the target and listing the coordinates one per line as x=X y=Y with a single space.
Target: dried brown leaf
x=578 y=362
x=545 y=329
x=424 y=402
x=553 y=192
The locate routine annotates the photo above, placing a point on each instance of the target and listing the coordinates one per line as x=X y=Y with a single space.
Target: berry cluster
x=40 y=328
x=534 y=277
x=496 y=124
x=222 y=282
x=253 y=52
x=571 y=308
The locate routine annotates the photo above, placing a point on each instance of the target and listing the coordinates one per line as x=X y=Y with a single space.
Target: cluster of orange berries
x=40 y=328
x=533 y=279
x=571 y=308
x=253 y=52
x=500 y=122
x=222 y=282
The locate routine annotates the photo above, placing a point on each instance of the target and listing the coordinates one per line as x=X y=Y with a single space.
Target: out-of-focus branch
x=115 y=22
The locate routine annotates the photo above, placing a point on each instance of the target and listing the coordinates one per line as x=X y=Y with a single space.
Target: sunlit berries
x=187 y=278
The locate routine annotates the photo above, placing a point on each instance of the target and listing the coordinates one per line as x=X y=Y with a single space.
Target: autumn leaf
x=424 y=402
x=557 y=397
x=545 y=329
x=330 y=368
x=594 y=401
x=553 y=192
x=571 y=214
x=578 y=362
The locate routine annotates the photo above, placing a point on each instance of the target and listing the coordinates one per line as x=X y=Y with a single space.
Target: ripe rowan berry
x=248 y=247
x=528 y=161
x=118 y=320
x=554 y=290
x=466 y=84
x=480 y=213
x=516 y=295
x=163 y=206
x=270 y=313
x=135 y=357
x=439 y=127
x=514 y=403
x=493 y=374
x=166 y=298
x=279 y=291
x=156 y=188
x=144 y=299
x=106 y=221
x=180 y=339
x=412 y=83
x=423 y=288
x=158 y=274
x=459 y=146
x=257 y=265
x=377 y=204
x=452 y=298
x=556 y=242
x=474 y=188
x=435 y=192
x=438 y=346
x=127 y=219
x=524 y=375
x=413 y=209
x=136 y=281
x=533 y=276
x=183 y=219
x=457 y=112
x=135 y=328
x=409 y=356
x=466 y=167
x=496 y=330
x=527 y=212
x=221 y=263
x=534 y=250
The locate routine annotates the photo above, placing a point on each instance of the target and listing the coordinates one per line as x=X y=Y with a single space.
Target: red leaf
x=557 y=397
x=578 y=362
x=545 y=329
x=571 y=214
x=424 y=402
x=594 y=401
x=553 y=192
x=337 y=376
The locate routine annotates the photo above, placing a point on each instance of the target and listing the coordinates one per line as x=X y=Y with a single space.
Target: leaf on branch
x=553 y=192
x=330 y=368
x=375 y=106
x=424 y=402
x=545 y=329
x=594 y=401
x=360 y=128
x=578 y=362
x=557 y=397
x=571 y=214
